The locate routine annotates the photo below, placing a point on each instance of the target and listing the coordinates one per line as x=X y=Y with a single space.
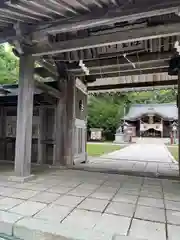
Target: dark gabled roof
x=9 y=94
x=165 y=110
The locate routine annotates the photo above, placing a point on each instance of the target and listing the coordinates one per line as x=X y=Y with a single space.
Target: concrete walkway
x=145 y=158
x=87 y=205
x=146 y=152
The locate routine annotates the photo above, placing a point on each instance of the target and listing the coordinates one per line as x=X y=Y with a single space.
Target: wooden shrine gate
x=106 y=44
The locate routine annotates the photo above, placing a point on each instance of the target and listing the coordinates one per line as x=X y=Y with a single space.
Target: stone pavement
x=143 y=158
x=71 y=204
x=135 y=168
x=142 y=151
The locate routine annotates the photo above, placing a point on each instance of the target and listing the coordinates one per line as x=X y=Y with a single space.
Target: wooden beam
x=130 y=72
x=103 y=16
x=119 y=59
x=50 y=68
x=48 y=89
x=44 y=73
x=107 y=39
x=138 y=89
x=133 y=85
x=108 y=17
x=123 y=68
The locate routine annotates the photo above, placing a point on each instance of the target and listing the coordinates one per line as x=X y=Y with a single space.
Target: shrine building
x=152 y=120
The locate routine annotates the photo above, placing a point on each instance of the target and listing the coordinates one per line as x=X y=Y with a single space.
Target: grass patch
x=95 y=150
x=174 y=151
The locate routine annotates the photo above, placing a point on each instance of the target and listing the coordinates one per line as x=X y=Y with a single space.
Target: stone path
x=88 y=205
x=143 y=158
x=143 y=151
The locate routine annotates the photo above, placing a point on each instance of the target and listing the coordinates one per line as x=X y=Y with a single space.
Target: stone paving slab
x=173 y=232
x=150 y=213
x=148 y=230
x=141 y=158
x=142 y=152
x=94 y=206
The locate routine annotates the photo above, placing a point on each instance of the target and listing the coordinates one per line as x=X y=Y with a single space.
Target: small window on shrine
x=81 y=105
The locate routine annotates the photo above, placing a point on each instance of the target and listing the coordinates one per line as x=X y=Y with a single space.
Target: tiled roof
x=165 y=110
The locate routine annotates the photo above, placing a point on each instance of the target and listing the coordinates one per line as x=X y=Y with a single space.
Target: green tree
x=106 y=112
x=9 y=66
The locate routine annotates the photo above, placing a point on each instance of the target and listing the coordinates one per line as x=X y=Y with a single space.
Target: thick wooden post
x=70 y=121
x=58 y=133
x=24 y=117
x=42 y=135
x=179 y=120
x=86 y=156
x=65 y=124
x=3 y=133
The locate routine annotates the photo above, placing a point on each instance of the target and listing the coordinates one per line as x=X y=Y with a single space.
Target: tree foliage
x=9 y=66
x=106 y=111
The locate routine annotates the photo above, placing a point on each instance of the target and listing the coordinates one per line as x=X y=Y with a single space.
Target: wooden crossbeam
x=107 y=39
x=121 y=68
x=108 y=17
x=48 y=89
x=43 y=72
x=103 y=16
x=129 y=72
x=49 y=67
x=119 y=59
x=133 y=85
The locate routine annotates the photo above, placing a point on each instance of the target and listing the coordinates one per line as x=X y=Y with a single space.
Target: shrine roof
x=166 y=110
x=9 y=94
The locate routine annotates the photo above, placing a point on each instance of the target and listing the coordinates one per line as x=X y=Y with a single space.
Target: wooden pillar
x=58 y=153
x=179 y=120
x=24 y=117
x=70 y=121
x=42 y=135
x=3 y=133
x=64 y=127
x=86 y=113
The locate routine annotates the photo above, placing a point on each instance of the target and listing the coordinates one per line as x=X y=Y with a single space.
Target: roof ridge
x=152 y=104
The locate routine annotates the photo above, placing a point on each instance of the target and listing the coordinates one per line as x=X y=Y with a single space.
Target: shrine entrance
x=77 y=48
x=151 y=133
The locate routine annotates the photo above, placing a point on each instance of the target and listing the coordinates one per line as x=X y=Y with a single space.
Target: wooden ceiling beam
x=120 y=68
x=129 y=72
x=119 y=59
x=101 y=17
x=104 y=16
x=48 y=89
x=133 y=85
x=106 y=40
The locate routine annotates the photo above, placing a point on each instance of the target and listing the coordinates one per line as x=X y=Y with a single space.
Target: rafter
x=103 y=16
x=107 y=39
x=107 y=17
